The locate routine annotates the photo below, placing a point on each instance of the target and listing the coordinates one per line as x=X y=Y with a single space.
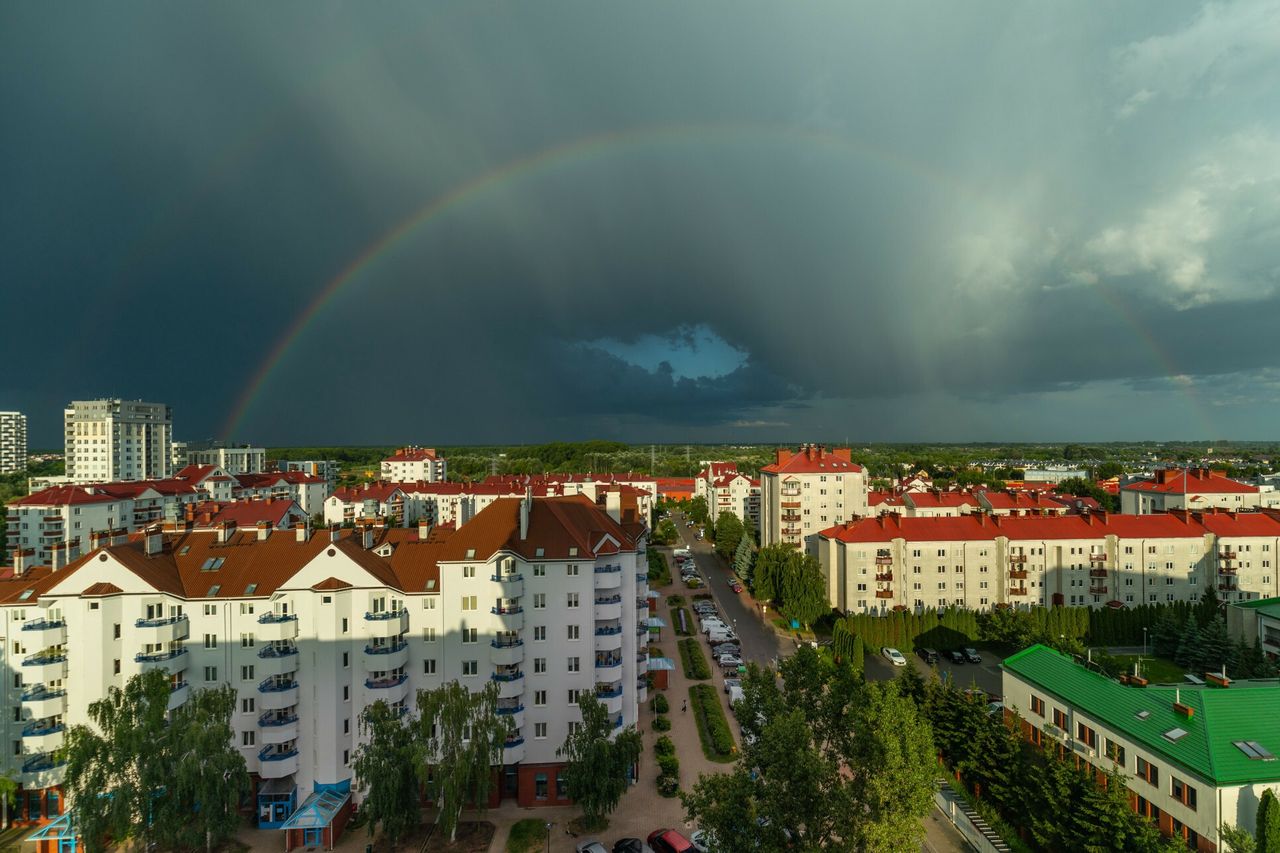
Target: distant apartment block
x=1095 y=560
x=807 y=491
x=725 y=489
x=325 y=469
x=1193 y=756
x=1192 y=488
x=414 y=464
x=233 y=460
x=13 y=442
x=115 y=440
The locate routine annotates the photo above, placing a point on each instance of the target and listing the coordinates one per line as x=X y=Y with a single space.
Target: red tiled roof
x=64 y=496
x=102 y=588
x=1020 y=500
x=378 y=491
x=938 y=499
x=886 y=528
x=412 y=454
x=813 y=460
x=1239 y=523
x=246 y=513
x=1196 y=481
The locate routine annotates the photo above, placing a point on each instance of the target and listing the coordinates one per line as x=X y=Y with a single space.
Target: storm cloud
x=668 y=222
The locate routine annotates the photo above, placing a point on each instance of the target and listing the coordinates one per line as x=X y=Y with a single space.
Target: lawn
x=527 y=835
x=694 y=661
x=1154 y=669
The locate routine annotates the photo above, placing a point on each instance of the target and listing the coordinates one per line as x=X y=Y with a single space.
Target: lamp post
x=1144 y=642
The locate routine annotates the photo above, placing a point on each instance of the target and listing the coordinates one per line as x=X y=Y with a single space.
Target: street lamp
x=549 y=825
x=1144 y=642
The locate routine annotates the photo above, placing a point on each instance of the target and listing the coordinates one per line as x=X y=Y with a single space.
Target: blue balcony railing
x=507 y=676
x=506 y=611
x=42 y=659
x=608 y=663
x=383 y=615
x=617 y=723
x=160 y=621
x=389 y=648
x=509 y=709
x=43 y=624
x=609 y=599
x=609 y=692
x=506 y=578
x=608 y=570
x=271 y=753
x=158 y=657
x=271 y=720
x=42 y=761
x=272 y=685
x=513 y=743
x=277 y=651
x=506 y=644
x=607 y=632
x=384 y=683
x=272 y=618
x=41 y=727
x=39 y=693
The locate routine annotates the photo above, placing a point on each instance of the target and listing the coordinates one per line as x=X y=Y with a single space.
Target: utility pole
x=653 y=463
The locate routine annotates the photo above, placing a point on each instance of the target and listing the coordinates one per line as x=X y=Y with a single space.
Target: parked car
x=956 y=656
x=669 y=841
x=729 y=661
x=735 y=695
x=971 y=655
x=893 y=656
x=702 y=841
x=631 y=845
x=709 y=625
x=591 y=846
x=729 y=648
x=732 y=682
x=928 y=655
x=719 y=638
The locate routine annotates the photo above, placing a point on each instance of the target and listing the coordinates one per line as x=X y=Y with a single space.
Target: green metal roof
x=1245 y=711
x=1266 y=606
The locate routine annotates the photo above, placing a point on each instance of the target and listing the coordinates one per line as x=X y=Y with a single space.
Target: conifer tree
x=1188 y=652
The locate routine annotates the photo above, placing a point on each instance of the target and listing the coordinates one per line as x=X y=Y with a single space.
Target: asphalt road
x=985 y=675
x=759 y=643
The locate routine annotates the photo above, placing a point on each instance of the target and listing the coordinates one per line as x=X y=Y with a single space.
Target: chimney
x=525 y=505
x=613 y=504
x=154 y=542
x=20 y=561
x=301 y=531
x=424 y=529
x=58 y=555
x=226 y=530
x=119 y=536
x=380 y=524
x=95 y=539
x=335 y=532
x=366 y=536
x=189 y=511
x=264 y=530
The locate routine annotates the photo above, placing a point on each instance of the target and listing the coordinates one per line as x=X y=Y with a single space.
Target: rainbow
x=584 y=149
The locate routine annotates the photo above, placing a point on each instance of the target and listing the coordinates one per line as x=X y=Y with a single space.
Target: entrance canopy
x=318 y=810
x=62 y=830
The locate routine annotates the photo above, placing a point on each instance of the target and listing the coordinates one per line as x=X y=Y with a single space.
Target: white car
x=708 y=625
x=894 y=656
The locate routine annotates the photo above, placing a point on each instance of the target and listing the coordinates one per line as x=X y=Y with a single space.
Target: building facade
x=13 y=442
x=414 y=464
x=725 y=489
x=1194 y=756
x=1192 y=489
x=1095 y=560
x=113 y=440
x=545 y=598
x=805 y=492
x=233 y=460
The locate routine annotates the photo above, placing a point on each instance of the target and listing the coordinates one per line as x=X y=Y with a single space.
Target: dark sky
x=645 y=221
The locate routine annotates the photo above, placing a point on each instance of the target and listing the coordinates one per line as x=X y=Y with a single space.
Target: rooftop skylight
x=1254 y=750
x=1175 y=734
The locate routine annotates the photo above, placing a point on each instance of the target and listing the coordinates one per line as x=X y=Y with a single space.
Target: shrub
x=664 y=746
x=668 y=770
x=668 y=765
x=693 y=659
x=675 y=600
x=668 y=786
x=713 y=728
x=660 y=704
x=693 y=583
x=704 y=596
x=661 y=723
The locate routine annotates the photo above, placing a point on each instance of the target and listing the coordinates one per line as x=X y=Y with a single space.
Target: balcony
x=506 y=652
x=791 y=530
x=391 y=688
x=43 y=770
x=510 y=683
x=884 y=577
x=608 y=577
x=510 y=617
x=608 y=639
x=1097 y=558
x=509 y=585
x=610 y=696
x=642 y=578
x=607 y=664
x=384 y=657
x=608 y=608
x=39 y=702
x=1229 y=571
x=617 y=722
x=44 y=633
x=1097 y=589
x=274 y=627
x=277 y=761
x=790 y=518
x=387 y=623
x=1018 y=574
x=163 y=629
x=1228 y=587
x=276 y=694
x=513 y=710
x=42 y=736
x=278 y=726
x=278 y=659
x=44 y=667
x=884 y=560
x=513 y=750
x=790 y=504
x=793 y=492
x=884 y=593
x=1098 y=573
x=1017 y=558
x=179 y=693
x=1227 y=555
x=1017 y=590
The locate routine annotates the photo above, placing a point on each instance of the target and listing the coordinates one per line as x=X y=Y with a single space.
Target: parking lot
x=985 y=676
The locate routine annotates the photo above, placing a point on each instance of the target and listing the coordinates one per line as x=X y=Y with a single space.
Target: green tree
x=1209 y=607
x=1267 y=828
x=729 y=532
x=596 y=767
x=697 y=511
x=666 y=534
x=8 y=795
x=460 y=740
x=744 y=559
x=1236 y=839
x=1189 y=646
x=126 y=756
x=200 y=804
x=385 y=766
x=857 y=658
x=1216 y=650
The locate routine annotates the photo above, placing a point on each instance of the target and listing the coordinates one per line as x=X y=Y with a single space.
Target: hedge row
x=668 y=767
x=675 y=622
x=713 y=727
x=694 y=661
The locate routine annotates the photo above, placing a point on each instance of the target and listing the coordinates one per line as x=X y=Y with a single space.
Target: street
x=986 y=675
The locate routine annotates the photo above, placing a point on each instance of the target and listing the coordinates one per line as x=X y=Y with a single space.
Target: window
x=571 y=570
x=539 y=666
x=429 y=666
x=539 y=570
x=246 y=673
x=573 y=632
x=247 y=705
x=1037 y=705
x=539 y=697
x=1060 y=719
x=346 y=726
x=345 y=626
x=429 y=603
x=246 y=609
x=573 y=696
x=346 y=757
x=346 y=693
x=246 y=641
x=539 y=601
x=247 y=738
x=469 y=635
x=210 y=641
x=468 y=571
x=571 y=599
x=575 y=664
x=346 y=659
x=470 y=667
x=1148 y=771
x=540 y=786
x=468 y=602
x=1115 y=752
x=115 y=631
x=115 y=667
x=1182 y=792
x=210 y=673
x=1086 y=735
x=429 y=634
x=539 y=633
x=539 y=731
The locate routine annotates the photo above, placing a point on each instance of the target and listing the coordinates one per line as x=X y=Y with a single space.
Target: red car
x=735 y=586
x=670 y=841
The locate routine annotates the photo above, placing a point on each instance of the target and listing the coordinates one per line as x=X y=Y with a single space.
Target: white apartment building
x=13 y=442
x=980 y=561
x=325 y=469
x=1194 y=756
x=546 y=598
x=808 y=491
x=414 y=464
x=725 y=489
x=1191 y=489
x=114 y=440
x=233 y=460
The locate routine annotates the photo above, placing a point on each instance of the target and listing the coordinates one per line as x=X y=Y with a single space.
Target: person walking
x=684 y=706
